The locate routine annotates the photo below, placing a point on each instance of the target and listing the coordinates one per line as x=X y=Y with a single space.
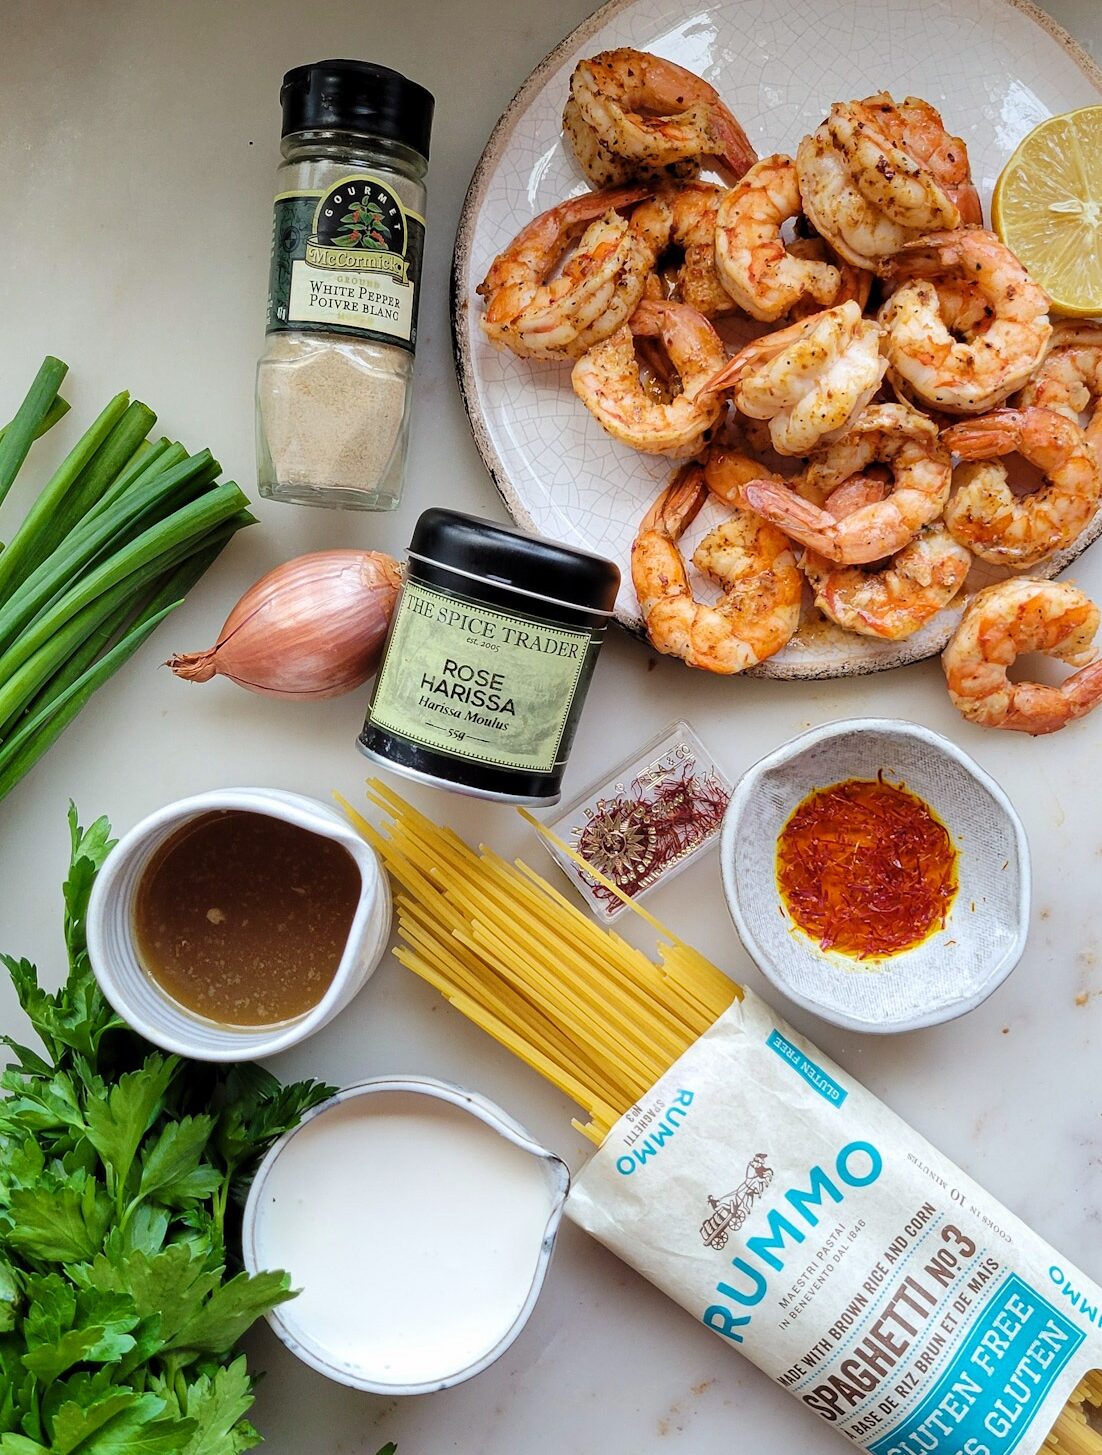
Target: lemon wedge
x=1047 y=208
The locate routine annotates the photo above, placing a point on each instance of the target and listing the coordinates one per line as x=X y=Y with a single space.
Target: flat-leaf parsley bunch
x=121 y=1171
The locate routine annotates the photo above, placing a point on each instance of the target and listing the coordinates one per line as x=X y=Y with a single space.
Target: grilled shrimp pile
x=898 y=353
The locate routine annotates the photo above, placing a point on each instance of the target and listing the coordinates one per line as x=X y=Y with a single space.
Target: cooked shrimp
x=696 y=280
x=651 y=112
x=753 y=563
x=604 y=168
x=969 y=375
x=858 y=231
x=920 y=131
x=751 y=258
x=855 y=285
x=810 y=380
x=894 y=602
x=1015 y=616
x=914 y=127
x=837 y=201
x=606 y=380
x=1018 y=530
x=599 y=286
x=891 y=434
x=885 y=174
x=1070 y=378
x=879 y=173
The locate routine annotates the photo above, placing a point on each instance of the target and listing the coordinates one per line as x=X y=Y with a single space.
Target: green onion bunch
x=112 y=543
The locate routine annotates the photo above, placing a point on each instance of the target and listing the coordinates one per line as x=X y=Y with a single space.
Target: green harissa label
x=476 y=683
x=346 y=260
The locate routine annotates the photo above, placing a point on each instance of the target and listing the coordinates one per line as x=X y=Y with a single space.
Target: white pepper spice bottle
x=334 y=382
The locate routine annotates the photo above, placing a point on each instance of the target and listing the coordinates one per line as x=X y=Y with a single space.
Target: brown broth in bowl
x=243 y=918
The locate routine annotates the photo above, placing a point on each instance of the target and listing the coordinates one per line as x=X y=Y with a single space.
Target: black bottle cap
x=492 y=552
x=359 y=97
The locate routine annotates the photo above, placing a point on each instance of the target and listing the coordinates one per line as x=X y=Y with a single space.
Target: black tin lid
x=487 y=551
x=360 y=97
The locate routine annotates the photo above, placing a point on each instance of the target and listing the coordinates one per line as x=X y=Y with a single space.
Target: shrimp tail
x=1084 y=690
x=1039 y=710
x=966 y=198
x=735 y=147
x=679 y=504
x=979 y=439
x=785 y=508
x=727 y=377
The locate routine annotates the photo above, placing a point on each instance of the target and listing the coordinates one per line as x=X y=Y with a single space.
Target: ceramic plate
x=995 y=68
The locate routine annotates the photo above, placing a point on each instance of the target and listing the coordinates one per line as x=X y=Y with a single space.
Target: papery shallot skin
x=310 y=629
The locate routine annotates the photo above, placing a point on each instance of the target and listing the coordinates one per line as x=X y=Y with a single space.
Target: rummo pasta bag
x=810 y=1228
x=753 y=1180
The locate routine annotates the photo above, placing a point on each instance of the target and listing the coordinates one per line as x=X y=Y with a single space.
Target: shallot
x=311 y=628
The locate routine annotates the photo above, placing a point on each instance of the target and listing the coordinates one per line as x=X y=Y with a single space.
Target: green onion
x=57 y=411
x=116 y=537
x=49 y=715
x=49 y=502
x=112 y=456
x=41 y=732
x=148 y=460
x=176 y=568
x=30 y=420
x=112 y=527
x=189 y=522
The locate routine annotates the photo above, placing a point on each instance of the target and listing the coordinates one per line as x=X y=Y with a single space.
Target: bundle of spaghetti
x=582 y=1006
x=587 y=1010
x=1074 y=1433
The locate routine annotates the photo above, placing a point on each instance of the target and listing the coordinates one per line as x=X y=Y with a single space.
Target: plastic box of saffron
x=646 y=822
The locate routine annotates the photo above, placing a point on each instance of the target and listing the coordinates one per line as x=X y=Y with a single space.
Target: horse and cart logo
x=730 y=1212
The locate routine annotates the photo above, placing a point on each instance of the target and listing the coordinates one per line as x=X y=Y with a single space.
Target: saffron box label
x=811 y=1229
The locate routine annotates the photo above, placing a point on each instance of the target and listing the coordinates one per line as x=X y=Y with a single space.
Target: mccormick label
x=473 y=682
x=346 y=260
x=810 y=1228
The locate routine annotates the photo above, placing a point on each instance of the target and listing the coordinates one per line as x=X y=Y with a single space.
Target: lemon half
x=1047 y=208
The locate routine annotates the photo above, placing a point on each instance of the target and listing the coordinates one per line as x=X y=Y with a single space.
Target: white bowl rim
x=494 y=1117
x=888 y=727
x=297 y=808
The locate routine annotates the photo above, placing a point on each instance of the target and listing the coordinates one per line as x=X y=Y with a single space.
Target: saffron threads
x=865 y=868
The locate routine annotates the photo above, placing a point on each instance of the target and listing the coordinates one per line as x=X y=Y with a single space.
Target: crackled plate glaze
x=995 y=68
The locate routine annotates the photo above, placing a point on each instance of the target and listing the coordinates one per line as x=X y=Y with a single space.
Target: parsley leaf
x=171 y=1285
x=119 y=1422
x=217 y=1402
x=116 y=1126
x=232 y=1308
x=59 y=1224
x=171 y=1168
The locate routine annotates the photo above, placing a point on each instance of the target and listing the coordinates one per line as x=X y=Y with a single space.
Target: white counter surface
x=139 y=145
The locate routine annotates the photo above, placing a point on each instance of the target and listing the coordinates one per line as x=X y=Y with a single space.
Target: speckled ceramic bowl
x=954 y=970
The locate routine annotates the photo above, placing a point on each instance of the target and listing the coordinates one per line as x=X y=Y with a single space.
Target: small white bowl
x=142 y=1003
x=393 y=1169
x=954 y=970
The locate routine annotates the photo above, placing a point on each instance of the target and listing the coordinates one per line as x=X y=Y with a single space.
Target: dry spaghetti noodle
x=588 y=1011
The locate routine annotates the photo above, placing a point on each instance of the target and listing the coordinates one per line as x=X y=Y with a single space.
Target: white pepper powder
x=334 y=381
x=333 y=411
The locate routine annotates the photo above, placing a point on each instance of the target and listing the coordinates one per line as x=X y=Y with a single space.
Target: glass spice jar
x=334 y=382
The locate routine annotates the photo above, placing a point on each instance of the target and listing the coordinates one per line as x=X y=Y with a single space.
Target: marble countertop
x=140 y=142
